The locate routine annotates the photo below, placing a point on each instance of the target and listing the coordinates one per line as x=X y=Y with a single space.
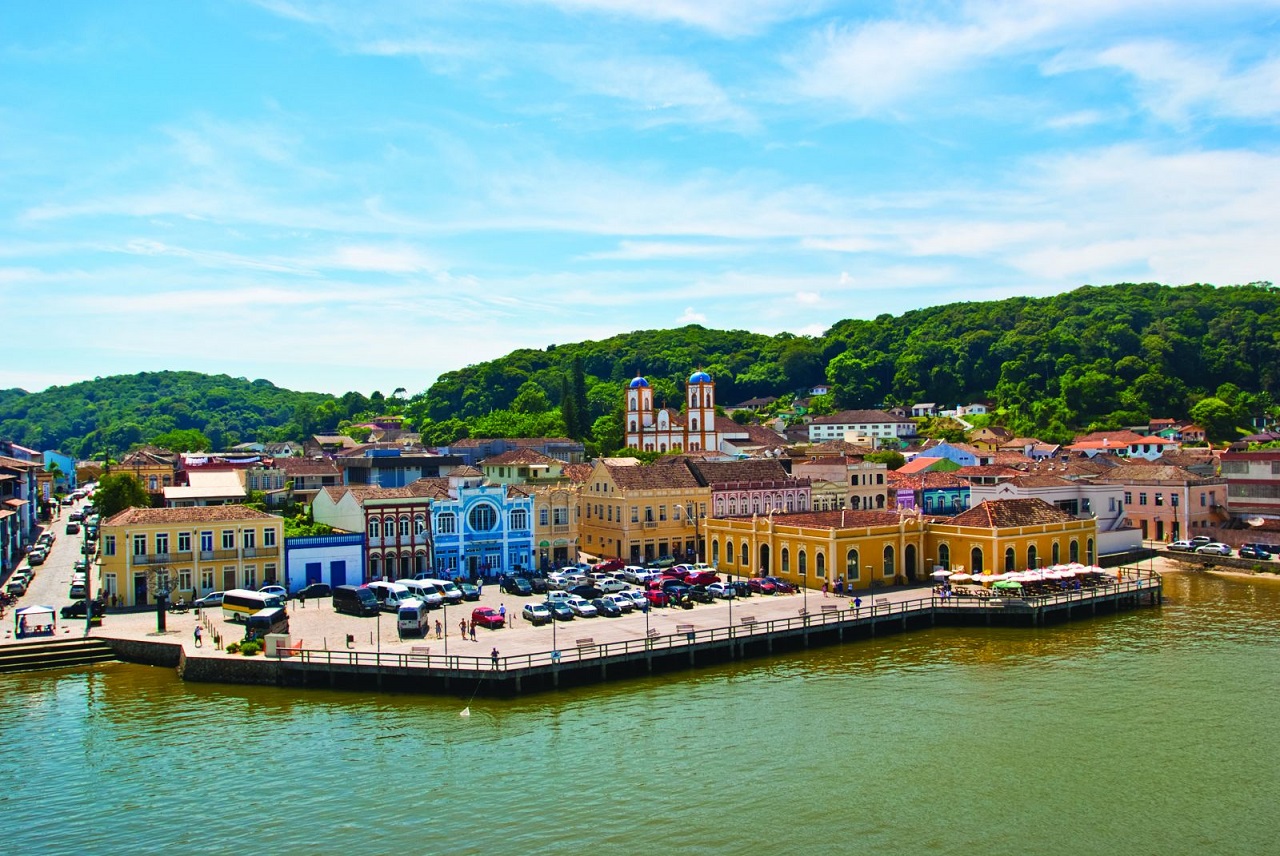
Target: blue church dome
x=699 y=377
x=637 y=383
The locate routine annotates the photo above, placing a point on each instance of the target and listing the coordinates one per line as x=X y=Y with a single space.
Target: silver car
x=1214 y=548
x=581 y=607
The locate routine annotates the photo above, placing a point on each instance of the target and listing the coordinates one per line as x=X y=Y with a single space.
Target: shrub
x=248 y=649
x=233 y=648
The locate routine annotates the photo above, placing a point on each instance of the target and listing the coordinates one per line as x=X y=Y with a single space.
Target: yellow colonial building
x=641 y=512
x=867 y=548
x=199 y=549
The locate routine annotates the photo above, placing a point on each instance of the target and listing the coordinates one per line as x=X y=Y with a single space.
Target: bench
x=684 y=628
x=830 y=607
x=586 y=642
x=652 y=633
x=881 y=601
x=420 y=651
x=748 y=620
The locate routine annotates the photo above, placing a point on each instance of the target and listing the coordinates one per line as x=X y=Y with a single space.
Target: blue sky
x=348 y=195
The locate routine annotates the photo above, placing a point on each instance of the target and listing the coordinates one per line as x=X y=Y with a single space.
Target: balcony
x=152 y=558
x=213 y=555
x=560 y=529
x=259 y=552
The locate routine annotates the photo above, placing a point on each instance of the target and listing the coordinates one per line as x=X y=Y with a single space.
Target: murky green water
x=1147 y=732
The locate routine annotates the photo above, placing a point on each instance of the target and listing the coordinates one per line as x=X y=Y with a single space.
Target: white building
x=875 y=424
x=667 y=430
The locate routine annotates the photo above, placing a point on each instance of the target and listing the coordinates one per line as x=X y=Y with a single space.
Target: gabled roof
x=1028 y=481
x=920 y=481
x=986 y=471
x=519 y=457
x=1150 y=472
x=656 y=476
x=192 y=514
x=307 y=467
x=919 y=464
x=843 y=519
x=710 y=473
x=577 y=473
x=1010 y=513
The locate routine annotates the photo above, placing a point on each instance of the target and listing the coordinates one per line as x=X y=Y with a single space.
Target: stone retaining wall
x=147 y=653
x=230 y=670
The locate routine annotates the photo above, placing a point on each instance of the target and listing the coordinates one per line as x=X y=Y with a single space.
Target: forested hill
x=114 y=413
x=1099 y=356
x=1096 y=356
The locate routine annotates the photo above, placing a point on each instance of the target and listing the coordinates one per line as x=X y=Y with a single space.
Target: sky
x=362 y=195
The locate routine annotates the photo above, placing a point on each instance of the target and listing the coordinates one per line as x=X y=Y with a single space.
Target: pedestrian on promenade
x=493 y=655
x=439 y=629
x=502 y=613
x=113 y=600
x=462 y=628
x=857 y=604
x=199 y=635
x=473 y=631
x=479 y=585
x=824 y=588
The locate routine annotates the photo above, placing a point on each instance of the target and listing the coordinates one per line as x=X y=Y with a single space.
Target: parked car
x=609 y=565
x=1214 y=548
x=1201 y=540
x=636 y=597
x=211 y=599
x=73 y=528
x=275 y=591
x=662 y=562
x=316 y=590
x=607 y=608
x=657 y=597
x=700 y=594
x=36 y=557
x=77 y=589
x=1251 y=551
x=631 y=573
x=470 y=591
x=586 y=592
x=1181 y=547
x=559 y=610
x=538 y=583
x=724 y=591
x=487 y=616
x=702 y=578
x=623 y=602
x=78 y=609
x=517 y=586
x=17 y=587
x=581 y=607
x=611 y=585
x=671 y=586
x=761 y=585
x=781 y=586
x=537 y=613
x=740 y=588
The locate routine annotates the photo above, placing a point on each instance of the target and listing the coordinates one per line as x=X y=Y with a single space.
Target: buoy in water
x=466 y=711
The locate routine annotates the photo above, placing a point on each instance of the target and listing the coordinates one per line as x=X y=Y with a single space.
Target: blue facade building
x=65 y=479
x=332 y=559
x=483 y=531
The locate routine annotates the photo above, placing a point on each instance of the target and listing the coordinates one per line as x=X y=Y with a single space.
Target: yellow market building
x=873 y=548
x=199 y=549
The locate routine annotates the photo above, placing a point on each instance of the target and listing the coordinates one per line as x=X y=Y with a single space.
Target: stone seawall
x=230 y=670
x=147 y=653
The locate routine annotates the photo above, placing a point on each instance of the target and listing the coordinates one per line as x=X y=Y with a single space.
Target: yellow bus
x=239 y=604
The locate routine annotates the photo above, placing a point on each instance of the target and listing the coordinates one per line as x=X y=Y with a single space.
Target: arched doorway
x=909 y=560
x=1031 y=557
x=764 y=560
x=975 y=561
x=944 y=557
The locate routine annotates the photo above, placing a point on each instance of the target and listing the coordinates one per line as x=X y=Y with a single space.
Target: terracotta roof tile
x=1008 y=513
x=861 y=417
x=516 y=457
x=844 y=519
x=197 y=514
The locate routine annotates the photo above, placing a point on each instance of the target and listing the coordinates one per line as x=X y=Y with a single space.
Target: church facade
x=667 y=430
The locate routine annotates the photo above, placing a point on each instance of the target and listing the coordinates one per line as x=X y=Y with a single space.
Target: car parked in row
x=607 y=608
x=581 y=607
x=1253 y=551
x=619 y=600
x=724 y=591
x=315 y=590
x=1184 y=546
x=537 y=613
x=1214 y=548
x=559 y=610
x=517 y=586
x=487 y=616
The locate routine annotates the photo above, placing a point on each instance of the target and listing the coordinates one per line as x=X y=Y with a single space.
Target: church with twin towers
x=664 y=429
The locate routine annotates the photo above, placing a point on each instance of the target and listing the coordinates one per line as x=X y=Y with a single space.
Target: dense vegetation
x=1095 y=357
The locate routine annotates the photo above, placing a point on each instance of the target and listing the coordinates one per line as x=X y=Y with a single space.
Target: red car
x=657 y=597
x=679 y=572
x=761 y=586
x=487 y=616
x=609 y=566
x=702 y=578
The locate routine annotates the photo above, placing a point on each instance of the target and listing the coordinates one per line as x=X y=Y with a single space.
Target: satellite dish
x=1255 y=521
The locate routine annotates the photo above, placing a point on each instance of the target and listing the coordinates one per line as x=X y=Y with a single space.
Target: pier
x=583 y=660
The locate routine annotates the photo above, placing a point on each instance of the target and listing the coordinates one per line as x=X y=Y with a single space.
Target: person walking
x=462 y=628
x=199 y=636
x=857 y=604
x=439 y=629
x=493 y=655
x=473 y=630
x=824 y=588
x=502 y=613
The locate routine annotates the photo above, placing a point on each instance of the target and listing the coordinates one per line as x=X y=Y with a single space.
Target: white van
x=412 y=617
x=389 y=595
x=448 y=588
x=423 y=591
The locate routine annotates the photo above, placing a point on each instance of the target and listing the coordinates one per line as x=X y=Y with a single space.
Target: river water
x=1151 y=731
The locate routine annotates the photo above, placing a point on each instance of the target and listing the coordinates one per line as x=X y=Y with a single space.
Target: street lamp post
x=1174 y=499
x=804 y=591
x=162 y=587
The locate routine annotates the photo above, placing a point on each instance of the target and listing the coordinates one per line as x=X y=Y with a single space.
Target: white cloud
x=691 y=317
x=808 y=298
x=379 y=259
x=721 y=17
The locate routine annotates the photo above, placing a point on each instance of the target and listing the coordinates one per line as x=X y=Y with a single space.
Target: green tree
x=886 y=456
x=118 y=491
x=530 y=399
x=1217 y=417
x=182 y=440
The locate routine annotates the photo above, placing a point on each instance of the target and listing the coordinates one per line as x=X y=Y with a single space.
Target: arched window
x=375 y=563
x=786 y=560
x=1031 y=556
x=633 y=426
x=851 y=564
x=888 y=561
x=975 y=560
x=1074 y=550
x=1057 y=552
x=944 y=556
x=820 y=564
x=419 y=524
x=693 y=423
x=375 y=527
x=519 y=518
x=404 y=525
x=406 y=564
x=421 y=561
x=1008 y=560
x=746 y=555
x=631 y=403
x=880 y=500
x=803 y=562
x=1089 y=550
x=715 y=553
x=482 y=518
